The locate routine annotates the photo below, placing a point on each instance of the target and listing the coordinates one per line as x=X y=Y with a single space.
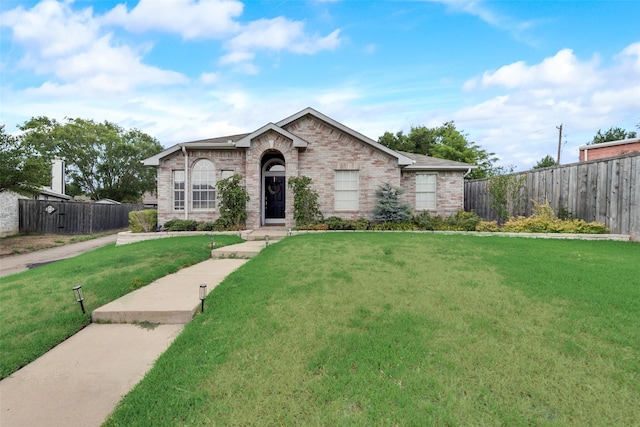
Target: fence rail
x=44 y=216
x=606 y=191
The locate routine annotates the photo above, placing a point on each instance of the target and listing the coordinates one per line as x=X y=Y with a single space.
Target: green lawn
x=38 y=308
x=408 y=329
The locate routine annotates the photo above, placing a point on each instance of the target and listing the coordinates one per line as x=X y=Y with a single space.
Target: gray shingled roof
x=422 y=162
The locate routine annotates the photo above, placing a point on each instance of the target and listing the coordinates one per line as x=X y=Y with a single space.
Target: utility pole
x=559 y=141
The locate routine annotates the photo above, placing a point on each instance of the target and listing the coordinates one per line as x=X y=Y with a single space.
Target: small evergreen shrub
x=394 y=226
x=388 y=206
x=180 y=225
x=143 y=221
x=361 y=224
x=464 y=221
x=460 y=221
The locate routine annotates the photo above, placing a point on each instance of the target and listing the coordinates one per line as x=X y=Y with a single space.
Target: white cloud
x=519 y=121
x=189 y=18
x=276 y=34
x=50 y=28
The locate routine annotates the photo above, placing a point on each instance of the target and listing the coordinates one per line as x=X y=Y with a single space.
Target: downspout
x=186 y=182
x=467 y=173
x=586 y=155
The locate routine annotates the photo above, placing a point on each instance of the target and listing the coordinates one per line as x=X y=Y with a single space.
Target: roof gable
x=245 y=142
x=402 y=159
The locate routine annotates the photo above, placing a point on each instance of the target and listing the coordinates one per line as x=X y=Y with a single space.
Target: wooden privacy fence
x=606 y=191
x=44 y=216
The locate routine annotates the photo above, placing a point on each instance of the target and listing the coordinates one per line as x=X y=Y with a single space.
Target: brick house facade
x=609 y=149
x=346 y=168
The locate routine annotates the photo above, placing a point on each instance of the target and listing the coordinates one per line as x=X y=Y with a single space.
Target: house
x=609 y=149
x=345 y=166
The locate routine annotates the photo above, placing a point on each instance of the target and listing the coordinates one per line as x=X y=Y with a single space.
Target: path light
x=203 y=295
x=266 y=240
x=77 y=290
x=289 y=232
x=212 y=242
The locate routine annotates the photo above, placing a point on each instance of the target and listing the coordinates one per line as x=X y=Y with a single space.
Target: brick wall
x=596 y=152
x=329 y=150
x=449 y=191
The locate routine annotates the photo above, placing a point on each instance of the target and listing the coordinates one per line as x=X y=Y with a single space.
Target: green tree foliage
x=21 y=169
x=613 y=134
x=103 y=160
x=545 y=162
x=505 y=192
x=444 y=142
x=306 y=210
x=233 y=202
x=389 y=207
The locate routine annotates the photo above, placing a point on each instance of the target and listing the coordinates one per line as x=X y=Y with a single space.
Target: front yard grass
x=408 y=329
x=38 y=308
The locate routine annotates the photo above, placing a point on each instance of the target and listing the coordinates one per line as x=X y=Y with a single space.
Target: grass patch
x=408 y=329
x=38 y=306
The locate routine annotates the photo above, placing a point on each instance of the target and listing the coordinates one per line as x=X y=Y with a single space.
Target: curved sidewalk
x=80 y=381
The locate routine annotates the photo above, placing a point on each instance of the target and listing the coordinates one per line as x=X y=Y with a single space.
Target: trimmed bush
x=181 y=225
x=491 y=226
x=544 y=220
x=206 y=226
x=143 y=221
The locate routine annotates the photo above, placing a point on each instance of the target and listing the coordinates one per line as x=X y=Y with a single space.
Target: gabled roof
x=421 y=162
x=402 y=160
x=245 y=142
x=220 y=143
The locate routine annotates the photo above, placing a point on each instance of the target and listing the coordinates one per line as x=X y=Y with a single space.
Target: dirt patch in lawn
x=22 y=244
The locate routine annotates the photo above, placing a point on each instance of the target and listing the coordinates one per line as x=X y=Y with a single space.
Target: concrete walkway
x=80 y=381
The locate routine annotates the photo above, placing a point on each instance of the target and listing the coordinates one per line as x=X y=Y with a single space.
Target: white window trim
x=174 y=190
x=420 y=204
x=192 y=190
x=355 y=200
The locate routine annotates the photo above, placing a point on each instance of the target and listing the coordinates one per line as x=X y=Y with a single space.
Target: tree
x=613 y=134
x=444 y=142
x=545 y=162
x=388 y=204
x=21 y=169
x=103 y=160
x=306 y=209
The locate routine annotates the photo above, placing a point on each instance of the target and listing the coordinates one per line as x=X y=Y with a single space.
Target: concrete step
x=271 y=233
x=173 y=299
x=244 y=250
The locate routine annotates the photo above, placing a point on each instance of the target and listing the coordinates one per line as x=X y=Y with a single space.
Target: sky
x=508 y=72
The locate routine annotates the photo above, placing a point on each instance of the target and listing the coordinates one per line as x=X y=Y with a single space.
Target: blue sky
x=507 y=72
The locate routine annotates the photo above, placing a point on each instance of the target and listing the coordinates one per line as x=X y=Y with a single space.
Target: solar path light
x=203 y=295
x=77 y=290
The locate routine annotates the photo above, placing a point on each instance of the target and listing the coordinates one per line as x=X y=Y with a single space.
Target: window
x=426 y=191
x=346 y=197
x=203 y=184
x=226 y=174
x=178 y=190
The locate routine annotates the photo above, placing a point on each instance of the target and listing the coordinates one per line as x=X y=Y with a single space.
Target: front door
x=274 y=202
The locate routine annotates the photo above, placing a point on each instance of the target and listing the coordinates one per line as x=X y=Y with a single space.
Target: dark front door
x=274 y=197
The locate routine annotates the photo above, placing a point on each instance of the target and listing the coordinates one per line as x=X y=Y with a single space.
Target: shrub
x=491 y=226
x=143 y=221
x=462 y=220
x=180 y=225
x=543 y=220
x=394 y=226
x=317 y=227
x=337 y=223
x=388 y=207
x=361 y=224
x=206 y=226
x=233 y=203
x=505 y=192
x=306 y=210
